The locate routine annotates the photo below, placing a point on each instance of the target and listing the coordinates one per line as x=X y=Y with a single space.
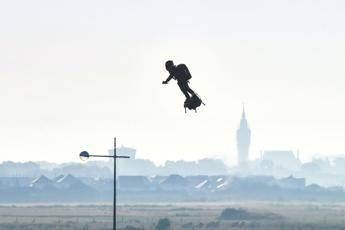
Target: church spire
x=243 y=140
x=243 y=112
x=244 y=119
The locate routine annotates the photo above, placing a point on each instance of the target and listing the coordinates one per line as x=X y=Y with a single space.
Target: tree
x=163 y=224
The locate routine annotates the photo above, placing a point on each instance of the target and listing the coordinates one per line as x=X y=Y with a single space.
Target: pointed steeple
x=243 y=112
x=243 y=123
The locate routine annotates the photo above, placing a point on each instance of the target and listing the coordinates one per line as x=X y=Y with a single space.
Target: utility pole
x=85 y=155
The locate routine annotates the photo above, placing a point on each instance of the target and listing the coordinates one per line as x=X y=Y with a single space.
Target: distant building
x=134 y=183
x=124 y=151
x=41 y=182
x=243 y=141
x=174 y=182
x=281 y=159
x=292 y=183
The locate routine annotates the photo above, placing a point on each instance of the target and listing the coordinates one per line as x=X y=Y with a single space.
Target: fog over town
x=277 y=174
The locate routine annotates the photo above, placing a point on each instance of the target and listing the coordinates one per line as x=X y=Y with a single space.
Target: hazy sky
x=74 y=74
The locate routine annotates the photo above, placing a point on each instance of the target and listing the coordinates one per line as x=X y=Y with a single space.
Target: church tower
x=243 y=141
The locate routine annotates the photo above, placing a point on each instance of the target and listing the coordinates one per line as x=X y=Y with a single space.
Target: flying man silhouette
x=182 y=75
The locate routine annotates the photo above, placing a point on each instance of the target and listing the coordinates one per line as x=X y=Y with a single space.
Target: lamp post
x=85 y=155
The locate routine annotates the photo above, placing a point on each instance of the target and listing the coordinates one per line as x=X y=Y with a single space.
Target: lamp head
x=84 y=155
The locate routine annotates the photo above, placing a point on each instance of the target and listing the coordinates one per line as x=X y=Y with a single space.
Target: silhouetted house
x=174 y=183
x=58 y=178
x=282 y=159
x=252 y=183
x=291 y=183
x=198 y=182
x=217 y=183
x=99 y=184
x=73 y=189
x=261 y=179
x=69 y=182
x=134 y=183
x=314 y=188
x=310 y=168
x=251 y=187
x=220 y=182
x=42 y=182
x=156 y=181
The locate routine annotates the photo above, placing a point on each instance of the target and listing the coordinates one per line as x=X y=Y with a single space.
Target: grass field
x=181 y=216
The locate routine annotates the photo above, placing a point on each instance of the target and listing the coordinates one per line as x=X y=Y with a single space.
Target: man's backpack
x=184 y=72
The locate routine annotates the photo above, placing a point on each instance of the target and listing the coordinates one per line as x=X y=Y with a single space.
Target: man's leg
x=184 y=88
x=189 y=90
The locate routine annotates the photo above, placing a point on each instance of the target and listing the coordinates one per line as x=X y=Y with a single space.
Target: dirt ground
x=180 y=216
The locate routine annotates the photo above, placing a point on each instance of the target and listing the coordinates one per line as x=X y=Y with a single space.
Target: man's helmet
x=169 y=65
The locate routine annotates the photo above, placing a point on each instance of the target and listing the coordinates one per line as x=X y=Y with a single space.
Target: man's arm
x=167 y=80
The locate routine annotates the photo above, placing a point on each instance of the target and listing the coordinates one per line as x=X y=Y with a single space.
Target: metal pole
x=114 y=199
x=87 y=155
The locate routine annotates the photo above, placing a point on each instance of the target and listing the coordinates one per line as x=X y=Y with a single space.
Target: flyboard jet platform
x=181 y=74
x=193 y=103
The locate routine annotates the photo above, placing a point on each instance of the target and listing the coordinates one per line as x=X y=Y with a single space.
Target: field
x=257 y=215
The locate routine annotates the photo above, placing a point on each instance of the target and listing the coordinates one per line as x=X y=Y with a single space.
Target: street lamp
x=84 y=155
